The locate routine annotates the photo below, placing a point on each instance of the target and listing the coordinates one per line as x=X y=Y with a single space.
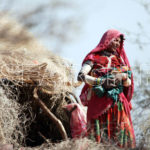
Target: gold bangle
x=98 y=81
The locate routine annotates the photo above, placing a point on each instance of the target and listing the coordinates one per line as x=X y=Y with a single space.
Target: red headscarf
x=103 y=44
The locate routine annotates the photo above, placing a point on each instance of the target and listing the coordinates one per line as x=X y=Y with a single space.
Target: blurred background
x=72 y=28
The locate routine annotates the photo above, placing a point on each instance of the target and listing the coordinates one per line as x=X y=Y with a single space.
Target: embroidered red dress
x=109 y=120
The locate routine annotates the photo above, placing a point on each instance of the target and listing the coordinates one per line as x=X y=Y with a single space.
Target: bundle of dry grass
x=36 y=84
x=26 y=67
x=24 y=53
x=21 y=72
x=41 y=69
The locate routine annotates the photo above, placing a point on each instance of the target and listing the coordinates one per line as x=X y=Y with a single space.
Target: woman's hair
x=122 y=37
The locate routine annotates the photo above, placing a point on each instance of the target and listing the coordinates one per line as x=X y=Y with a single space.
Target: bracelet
x=99 y=81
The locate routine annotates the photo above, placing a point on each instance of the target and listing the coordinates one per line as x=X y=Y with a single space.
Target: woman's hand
x=121 y=76
x=81 y=77
x=110 y=83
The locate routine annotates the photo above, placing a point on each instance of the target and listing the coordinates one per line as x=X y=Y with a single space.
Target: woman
x=108 y=91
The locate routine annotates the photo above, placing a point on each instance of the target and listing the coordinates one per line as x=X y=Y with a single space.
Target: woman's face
x=114 y=44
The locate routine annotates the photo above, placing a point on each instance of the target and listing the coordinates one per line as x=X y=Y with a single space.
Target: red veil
x=101 y=105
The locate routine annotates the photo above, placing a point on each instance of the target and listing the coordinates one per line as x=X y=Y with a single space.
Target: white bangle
x=86 y=69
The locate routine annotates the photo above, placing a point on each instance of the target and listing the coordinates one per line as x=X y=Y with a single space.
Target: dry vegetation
x=25 y=66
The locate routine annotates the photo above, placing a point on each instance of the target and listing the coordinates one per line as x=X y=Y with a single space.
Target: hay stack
x=23 y=50
x=22 y=70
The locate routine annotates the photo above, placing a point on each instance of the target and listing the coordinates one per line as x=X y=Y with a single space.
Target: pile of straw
x=42 y=69
x=22 y=71
x=25 y=66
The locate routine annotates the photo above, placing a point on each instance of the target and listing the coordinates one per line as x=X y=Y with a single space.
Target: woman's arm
x=86 y=68
x=83 y=76
x=107 y=83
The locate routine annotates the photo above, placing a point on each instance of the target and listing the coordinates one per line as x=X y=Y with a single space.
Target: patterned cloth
x=113 y=126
